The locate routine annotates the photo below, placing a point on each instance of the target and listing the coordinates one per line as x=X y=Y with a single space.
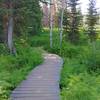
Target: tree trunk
x=61 y=26
x=10 y=34
x=51 y=24
x=10 y=27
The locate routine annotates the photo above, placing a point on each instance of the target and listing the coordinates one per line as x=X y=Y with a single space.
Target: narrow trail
x=42 y=83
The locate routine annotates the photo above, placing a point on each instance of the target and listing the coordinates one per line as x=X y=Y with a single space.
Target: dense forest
x=28 y=28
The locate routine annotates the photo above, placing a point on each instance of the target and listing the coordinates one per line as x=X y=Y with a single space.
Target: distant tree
x=92 y=19
x=73 y=34
x=66 y=23
x=51 y=23
x=61 y=20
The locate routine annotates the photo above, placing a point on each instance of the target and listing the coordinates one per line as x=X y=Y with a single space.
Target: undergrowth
x=14 y=68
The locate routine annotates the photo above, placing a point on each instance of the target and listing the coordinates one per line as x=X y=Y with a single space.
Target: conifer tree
x=73 y=34
x=92 y=19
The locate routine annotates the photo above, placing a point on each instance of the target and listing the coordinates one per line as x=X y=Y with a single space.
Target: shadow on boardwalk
x=42 y=83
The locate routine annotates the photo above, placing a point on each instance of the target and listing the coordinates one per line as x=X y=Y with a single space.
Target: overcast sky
x=84 y=5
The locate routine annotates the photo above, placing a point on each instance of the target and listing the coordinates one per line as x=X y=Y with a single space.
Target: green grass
x=13 y=69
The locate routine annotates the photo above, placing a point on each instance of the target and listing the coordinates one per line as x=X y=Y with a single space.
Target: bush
x=91 y=57
x=3 y=49
x=40 y=40
x=93 y=63
x=78 y=91
x=77 y=84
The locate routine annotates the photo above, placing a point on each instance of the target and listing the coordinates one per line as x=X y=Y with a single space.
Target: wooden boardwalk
x=42 y=83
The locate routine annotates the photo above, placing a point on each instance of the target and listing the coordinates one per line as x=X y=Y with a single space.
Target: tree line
x=70 y=20
x=24 y=17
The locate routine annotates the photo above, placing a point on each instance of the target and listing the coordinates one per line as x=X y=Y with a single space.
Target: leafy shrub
x=71 y=67
x=77 y=84
x=3 y=49
x=4 y=90
x=93 y=63
x=39 y=40
x=91 y=57
x=78 y=91
x=69 y=50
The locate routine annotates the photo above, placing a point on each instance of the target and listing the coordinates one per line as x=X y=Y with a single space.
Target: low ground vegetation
x=14 y=68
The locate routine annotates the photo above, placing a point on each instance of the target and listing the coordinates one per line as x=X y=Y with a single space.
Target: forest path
x=42 y=83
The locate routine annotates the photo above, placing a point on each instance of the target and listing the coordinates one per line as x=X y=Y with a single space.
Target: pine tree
x=28 y=16
x=66 y=23
x=92 y=19
x=73 y=34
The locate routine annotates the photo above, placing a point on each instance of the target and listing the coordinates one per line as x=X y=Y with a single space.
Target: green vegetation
x=14 y=68
x=19 y=20
x=80 y=76
x=21 y=40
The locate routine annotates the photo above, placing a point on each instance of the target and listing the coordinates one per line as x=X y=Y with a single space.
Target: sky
x=84 y=5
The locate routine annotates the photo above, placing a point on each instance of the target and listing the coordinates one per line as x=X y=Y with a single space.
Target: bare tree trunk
x=10 y=28
x=61 y=26
x=51 y=24
x=10 y=34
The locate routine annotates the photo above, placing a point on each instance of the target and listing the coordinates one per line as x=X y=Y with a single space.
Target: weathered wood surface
x=42 y=83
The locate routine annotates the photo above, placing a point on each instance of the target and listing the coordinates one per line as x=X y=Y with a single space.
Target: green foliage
x=77 y=84
x=92 y=19
x=80 y=76
x=13 y=69
x=72 y=19
x=4 y=89
x=27 y=17
x=79 y=80
x=3 y=49
x=80 y=90
x=92 y=59
x=40 y=40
